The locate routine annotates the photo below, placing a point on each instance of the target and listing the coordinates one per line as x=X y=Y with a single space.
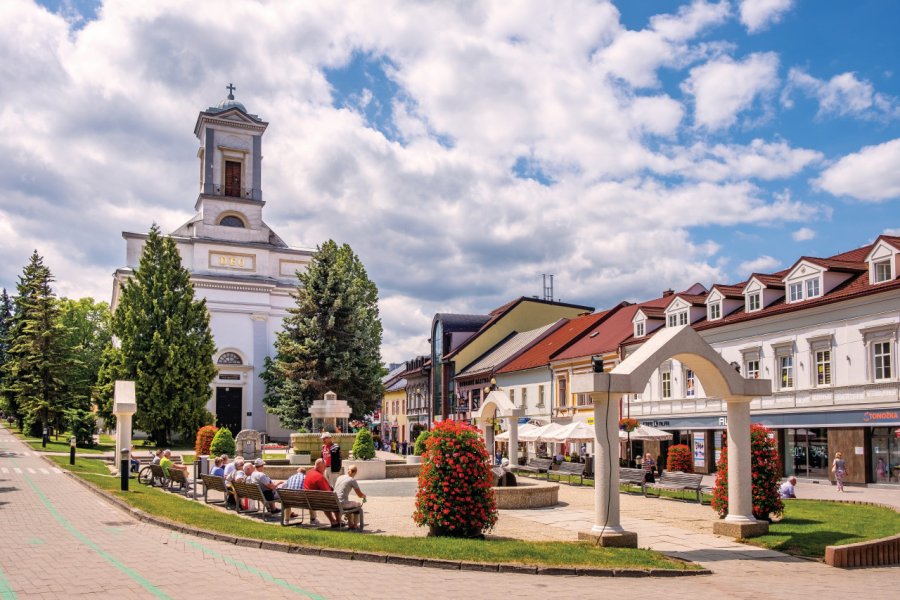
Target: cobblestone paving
x=58 y=540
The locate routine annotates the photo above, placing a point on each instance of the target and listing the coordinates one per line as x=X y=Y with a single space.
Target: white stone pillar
x=513 y=442
x=124 y=407
x=740 y=480
x=606 y=478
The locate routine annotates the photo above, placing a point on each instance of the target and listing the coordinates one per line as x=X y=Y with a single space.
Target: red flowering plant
x=454 y=496
x=680 y=458
x=765 y=468
x=204 y=439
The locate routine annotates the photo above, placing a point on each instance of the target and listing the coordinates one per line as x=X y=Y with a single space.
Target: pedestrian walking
x=839 y=468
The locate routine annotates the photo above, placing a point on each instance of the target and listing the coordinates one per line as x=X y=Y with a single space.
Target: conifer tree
x=6 y=315
x=36 y=358
x=331 y=340
x=166 y=345
x=87 y=333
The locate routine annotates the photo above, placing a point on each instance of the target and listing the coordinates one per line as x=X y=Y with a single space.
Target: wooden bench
x=678 y=482
x=214 y=482
x=632 y=477
x=535 y=465
x=251 y=491
x=158 y=476
x=291 y=499
x=568 y=468
x=328 y=502
x=179 y=478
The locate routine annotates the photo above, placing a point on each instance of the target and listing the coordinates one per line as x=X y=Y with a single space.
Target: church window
x=231 y=221
x=230 y=358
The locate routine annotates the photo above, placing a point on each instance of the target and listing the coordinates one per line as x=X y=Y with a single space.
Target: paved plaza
x=61 y=541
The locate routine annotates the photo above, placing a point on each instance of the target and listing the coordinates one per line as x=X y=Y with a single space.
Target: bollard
x=45 y=437
x=72 y=450
x=124 y=464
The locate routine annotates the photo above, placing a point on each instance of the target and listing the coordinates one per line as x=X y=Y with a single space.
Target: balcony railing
x=233 y=191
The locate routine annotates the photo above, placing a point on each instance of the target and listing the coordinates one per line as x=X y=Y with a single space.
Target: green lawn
x=198 y=514
x=61 y=444
x=808 y=526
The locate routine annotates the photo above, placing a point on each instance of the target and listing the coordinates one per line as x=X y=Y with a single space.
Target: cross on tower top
x=230 y=87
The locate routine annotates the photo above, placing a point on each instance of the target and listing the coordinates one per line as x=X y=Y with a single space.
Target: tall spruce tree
x=6 y=315
x=331 y=340
x=36 y=358
x=166 y=345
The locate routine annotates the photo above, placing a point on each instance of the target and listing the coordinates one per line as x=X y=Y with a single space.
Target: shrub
x=765 y=469
x=222 y=443
x=419 y=447
x=364 y=446
x=455 y=496
x=83 y=425
x=204 y=439
x=680 y=458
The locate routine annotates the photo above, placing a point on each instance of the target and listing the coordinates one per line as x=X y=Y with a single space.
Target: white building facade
x=825 y=331
x=243 y=270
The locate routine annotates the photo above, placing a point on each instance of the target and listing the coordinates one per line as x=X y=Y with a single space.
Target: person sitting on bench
x=166 y=463
x=342 y=488
x=265 y=483
x=315 y=480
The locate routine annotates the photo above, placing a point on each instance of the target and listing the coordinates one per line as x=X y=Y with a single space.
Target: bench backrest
x=178 y=476
x=292 y=498
x=157 y=471
x=692 y=480
x=321 y=500
x=248 y=490
x=540 y=463
x=627 y=474
x=570 y=467
x=214 y=482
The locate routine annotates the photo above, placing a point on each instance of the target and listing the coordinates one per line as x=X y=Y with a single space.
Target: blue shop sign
x=865 y=418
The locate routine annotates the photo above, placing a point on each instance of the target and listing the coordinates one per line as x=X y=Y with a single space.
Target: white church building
x=237 y=263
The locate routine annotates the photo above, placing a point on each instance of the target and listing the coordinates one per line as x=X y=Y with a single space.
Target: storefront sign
x=880 y=417
x=813 y=419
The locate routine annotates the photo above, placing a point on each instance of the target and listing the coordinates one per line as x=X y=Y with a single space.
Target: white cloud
x=842 y=95
x=762 y=264
x=723 y=88
x=757 y=15
x=803 y=234
x=870 y=175
x=895 y=231
x=96 y=128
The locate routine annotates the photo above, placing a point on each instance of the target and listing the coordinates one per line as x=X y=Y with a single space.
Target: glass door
x=885 y=456
x=807 y=452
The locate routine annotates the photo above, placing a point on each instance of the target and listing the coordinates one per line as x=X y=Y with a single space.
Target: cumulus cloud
x=757 y=15
x=842 y=95
x=870 y=175
x=762 y=264
x=803 y=234
x=96 y=127
x=723 y=88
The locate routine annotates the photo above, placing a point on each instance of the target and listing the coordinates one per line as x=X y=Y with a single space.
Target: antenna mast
x=548 y=288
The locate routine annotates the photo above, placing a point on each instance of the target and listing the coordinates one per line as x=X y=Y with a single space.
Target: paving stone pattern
x=58 y=540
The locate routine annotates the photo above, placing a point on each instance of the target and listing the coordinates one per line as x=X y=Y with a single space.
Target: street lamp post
x=72 y=450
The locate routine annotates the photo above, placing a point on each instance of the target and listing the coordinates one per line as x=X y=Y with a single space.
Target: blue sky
x=464 y=149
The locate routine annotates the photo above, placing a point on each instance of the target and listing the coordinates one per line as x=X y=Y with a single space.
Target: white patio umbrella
x=573 y=432
x=645 y=432
x=523 y=429
x=538 y=433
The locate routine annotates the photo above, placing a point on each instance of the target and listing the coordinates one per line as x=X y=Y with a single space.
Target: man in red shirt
x=315 y=480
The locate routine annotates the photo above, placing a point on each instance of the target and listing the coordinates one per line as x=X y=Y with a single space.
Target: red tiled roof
x=834 y=265
x=652 y=312
x=730 y=291
x=539 y=353
x=773 y=280
x=604 y=337
x=695 y=299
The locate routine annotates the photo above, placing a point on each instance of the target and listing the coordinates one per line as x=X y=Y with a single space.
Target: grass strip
x=197 y=514
x=808 y=526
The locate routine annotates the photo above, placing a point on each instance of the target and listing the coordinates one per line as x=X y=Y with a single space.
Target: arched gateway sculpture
x=498 y=404
x=719 y=380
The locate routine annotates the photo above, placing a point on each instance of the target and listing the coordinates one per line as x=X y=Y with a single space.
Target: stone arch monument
x=719 y=379
x=498 y=404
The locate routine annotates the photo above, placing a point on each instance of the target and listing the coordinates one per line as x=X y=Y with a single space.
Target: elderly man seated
x=261 y=478
x=166 y=463
x=787 y=488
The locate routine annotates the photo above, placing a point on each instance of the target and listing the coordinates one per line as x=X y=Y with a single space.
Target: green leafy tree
x=82 y=424
x=331 y=340
x=87 y=334
x=111 y=369
x=419 y=447
x=363 y=446
x=36 y=357
x=222 y=443
x=166 y=345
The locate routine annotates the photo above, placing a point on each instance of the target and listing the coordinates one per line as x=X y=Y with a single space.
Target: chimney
x=668 y=292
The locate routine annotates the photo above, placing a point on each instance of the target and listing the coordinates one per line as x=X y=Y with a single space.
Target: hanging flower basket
x=628 y=424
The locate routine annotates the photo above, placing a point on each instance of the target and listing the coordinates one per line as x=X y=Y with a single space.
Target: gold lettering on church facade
x=229 y=260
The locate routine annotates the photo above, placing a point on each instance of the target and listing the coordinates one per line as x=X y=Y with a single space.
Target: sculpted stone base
x=610 y=539
x=741 y=530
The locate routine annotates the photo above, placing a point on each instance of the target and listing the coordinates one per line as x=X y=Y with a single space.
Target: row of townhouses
x=824 y=331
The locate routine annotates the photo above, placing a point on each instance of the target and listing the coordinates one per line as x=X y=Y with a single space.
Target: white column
x=124 y=406
x=606 y=464
x=740 y=481
x=513 y=442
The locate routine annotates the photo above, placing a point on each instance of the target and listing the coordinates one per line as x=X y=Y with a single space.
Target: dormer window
x=812 y=287
x=796 y=291
x=882 y=270
x=679 y=318
x=639 y=329
x=715 y=311
x=753 y=302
